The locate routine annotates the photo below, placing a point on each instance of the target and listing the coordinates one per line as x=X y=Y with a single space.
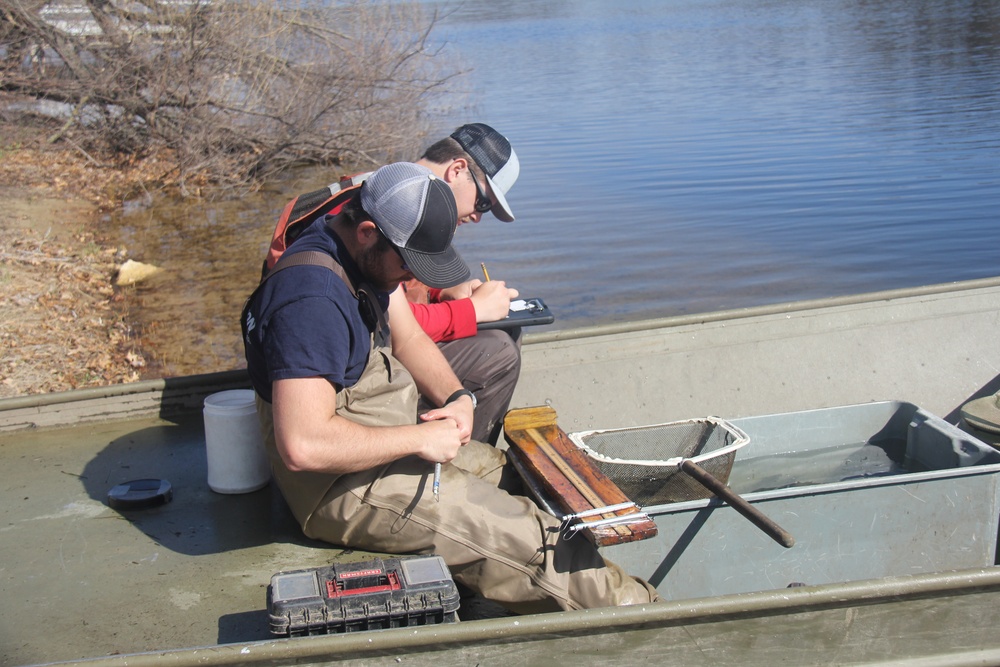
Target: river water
x=677 y=156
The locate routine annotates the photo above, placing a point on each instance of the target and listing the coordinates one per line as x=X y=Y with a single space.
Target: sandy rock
x=132 y=272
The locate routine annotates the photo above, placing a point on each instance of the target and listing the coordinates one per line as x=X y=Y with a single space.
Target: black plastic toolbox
x=369 y=595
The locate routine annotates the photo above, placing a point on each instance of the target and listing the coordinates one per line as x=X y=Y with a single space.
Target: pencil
x=437 y=482
x=485 y=272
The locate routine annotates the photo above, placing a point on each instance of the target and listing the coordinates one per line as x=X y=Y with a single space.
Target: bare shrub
x=233 y=91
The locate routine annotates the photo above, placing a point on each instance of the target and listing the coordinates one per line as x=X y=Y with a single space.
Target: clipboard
x=523 y=313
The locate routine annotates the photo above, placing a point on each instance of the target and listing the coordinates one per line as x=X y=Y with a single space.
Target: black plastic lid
x=140 y=494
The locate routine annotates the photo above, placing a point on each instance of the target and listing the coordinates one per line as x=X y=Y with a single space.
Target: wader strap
x=312 y=258
x=371 y=310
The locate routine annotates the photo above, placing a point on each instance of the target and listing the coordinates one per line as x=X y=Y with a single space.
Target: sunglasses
x=483 y=203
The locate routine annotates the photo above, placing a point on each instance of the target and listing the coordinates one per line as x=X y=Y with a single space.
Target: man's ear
x=367 y=234
x=455 y=167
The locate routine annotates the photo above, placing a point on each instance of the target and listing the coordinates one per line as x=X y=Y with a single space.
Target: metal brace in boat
x=568 y=529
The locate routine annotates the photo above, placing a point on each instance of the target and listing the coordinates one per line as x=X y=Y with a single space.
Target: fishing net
x=644 y=461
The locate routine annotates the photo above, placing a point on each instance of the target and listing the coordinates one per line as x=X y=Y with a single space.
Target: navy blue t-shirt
x=304 y=321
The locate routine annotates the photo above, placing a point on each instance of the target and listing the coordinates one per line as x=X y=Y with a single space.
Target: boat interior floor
x=197 y=567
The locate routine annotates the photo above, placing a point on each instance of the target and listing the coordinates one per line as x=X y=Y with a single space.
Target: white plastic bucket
x=237 y=462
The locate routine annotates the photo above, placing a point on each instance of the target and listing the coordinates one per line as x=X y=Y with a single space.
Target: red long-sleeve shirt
x=441 y=320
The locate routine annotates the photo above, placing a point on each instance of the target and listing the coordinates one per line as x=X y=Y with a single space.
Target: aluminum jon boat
x=184 y=583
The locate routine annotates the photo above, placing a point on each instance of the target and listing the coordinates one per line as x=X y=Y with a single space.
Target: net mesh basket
x=645 y=461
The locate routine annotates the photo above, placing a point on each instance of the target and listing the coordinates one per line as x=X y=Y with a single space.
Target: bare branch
x=235 y=90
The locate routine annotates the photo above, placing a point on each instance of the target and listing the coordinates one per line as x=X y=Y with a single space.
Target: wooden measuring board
x=560 y=472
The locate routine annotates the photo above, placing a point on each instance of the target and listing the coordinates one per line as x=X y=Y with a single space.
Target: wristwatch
x=462 y=392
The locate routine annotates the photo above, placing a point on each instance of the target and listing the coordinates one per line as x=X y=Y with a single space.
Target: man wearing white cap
x=338 y=409
x=478 y=158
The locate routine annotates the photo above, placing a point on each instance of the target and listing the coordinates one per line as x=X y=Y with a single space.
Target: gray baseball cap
x=416 y=211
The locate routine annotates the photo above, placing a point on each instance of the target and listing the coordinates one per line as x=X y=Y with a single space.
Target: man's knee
x=504 y=356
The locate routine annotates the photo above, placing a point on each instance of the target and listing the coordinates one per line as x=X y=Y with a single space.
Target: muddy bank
x=62 y=323
x=65 y=229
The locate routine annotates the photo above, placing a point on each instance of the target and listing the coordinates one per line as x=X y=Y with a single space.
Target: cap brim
x=501 y=210
x=439 y=270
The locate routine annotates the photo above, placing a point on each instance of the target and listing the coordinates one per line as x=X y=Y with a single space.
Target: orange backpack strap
x=303 y=210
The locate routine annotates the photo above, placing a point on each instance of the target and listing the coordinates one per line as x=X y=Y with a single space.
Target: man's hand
x=460 y=291
x=441 y=439
x=492 y=300
x=459 y=411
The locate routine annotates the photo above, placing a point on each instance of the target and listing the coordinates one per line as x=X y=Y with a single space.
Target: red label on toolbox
x=334 y=589
x=359 y=573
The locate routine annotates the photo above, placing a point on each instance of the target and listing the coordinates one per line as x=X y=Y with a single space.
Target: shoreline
x=63 y=323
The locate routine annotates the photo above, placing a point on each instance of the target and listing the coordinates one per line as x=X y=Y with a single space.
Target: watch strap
x=462 y=392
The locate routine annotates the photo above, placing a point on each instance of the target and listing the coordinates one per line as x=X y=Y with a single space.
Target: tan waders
x=498 y=544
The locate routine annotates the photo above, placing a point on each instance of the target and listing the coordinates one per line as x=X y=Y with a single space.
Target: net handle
x=736 y=501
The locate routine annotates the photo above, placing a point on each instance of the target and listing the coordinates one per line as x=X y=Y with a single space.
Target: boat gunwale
x=239 y=377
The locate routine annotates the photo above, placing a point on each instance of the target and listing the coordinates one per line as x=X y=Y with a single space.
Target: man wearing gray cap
x=338 y=409
x=481 y=167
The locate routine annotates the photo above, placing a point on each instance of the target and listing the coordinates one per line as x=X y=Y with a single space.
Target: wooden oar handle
x=773 y=530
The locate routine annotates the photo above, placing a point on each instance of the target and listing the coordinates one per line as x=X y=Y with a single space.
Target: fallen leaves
x=60 y=328
x=71 y=174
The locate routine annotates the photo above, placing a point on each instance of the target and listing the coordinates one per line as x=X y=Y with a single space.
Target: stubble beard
x=372 y=268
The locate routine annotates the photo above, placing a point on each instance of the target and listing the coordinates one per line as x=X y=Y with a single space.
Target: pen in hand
x=485 y=272
x=437 y=482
